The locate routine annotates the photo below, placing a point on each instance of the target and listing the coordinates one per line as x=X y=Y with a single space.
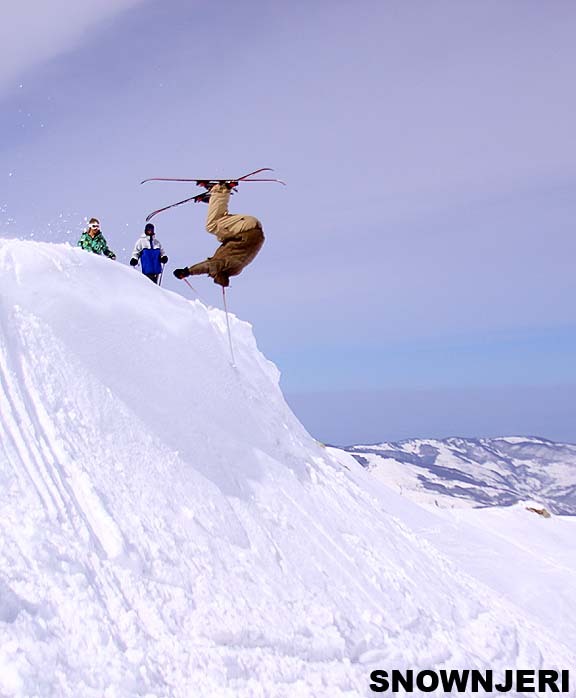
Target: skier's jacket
x=96 y=244
x=149 y=251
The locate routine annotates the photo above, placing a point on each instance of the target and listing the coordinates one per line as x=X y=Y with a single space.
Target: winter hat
x=149 y=228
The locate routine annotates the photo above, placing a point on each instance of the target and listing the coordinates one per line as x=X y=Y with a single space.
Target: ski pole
x=195 y=292
x=190 y=285
x=228 y=326
x=160 y=277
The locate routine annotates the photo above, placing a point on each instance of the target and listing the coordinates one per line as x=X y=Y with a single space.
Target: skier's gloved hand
x=133 y=262
x=181 y=273
x=163 y=259
x=112 y=256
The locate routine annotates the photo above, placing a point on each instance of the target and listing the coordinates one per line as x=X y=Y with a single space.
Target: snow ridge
x=170 y=529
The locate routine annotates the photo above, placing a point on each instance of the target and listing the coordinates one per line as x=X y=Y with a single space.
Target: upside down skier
x=240 y=235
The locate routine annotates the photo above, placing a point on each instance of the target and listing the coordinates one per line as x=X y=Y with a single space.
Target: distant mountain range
x=459 y=472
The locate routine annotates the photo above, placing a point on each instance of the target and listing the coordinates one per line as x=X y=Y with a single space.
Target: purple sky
x=424 y=243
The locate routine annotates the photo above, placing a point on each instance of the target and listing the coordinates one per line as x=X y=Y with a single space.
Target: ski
x=204 y=196
x=204 y=179
x=234 y=182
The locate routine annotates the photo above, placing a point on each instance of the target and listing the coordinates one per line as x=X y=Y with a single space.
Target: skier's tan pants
x=241 y=237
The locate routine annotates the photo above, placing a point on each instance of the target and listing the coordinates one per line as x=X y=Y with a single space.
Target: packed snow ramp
x=169 y=528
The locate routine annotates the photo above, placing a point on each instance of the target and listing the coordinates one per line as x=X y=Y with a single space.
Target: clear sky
x=418 y=277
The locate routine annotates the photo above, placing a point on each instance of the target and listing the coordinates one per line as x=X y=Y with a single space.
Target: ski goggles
x=94 y=225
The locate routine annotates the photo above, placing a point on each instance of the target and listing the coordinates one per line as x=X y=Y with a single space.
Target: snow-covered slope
x=168 y=528
x=478 y=472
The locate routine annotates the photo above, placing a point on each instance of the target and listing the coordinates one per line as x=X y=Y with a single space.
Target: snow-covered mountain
x=169 y=529
x=478 y=472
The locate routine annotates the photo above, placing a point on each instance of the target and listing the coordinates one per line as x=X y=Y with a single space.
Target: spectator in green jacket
x=93 y=240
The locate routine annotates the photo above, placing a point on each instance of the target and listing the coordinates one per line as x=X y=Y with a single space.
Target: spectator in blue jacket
x=149 y=252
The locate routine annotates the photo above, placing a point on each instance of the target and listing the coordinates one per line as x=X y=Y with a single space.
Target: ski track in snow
x=176 y=532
